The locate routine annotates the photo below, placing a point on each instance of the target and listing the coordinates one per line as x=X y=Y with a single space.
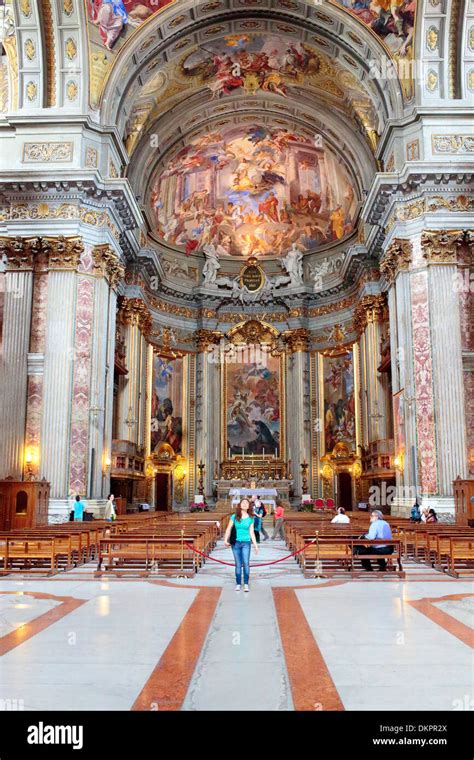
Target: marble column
x=440 y=250
x=20 y=253
x=135 y=318
x=368 y=320
x=298 y=405
x=207 y=407
x=427 y=365
x=61 y=361
x=108 y=272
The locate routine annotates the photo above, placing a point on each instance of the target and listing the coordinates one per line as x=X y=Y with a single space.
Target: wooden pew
x=461 y=557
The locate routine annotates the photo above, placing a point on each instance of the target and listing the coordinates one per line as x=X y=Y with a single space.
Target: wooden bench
x=33 y=555
x=131 y=555
x=461 y=557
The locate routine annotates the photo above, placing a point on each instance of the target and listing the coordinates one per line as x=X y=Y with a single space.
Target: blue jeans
x=241 y=551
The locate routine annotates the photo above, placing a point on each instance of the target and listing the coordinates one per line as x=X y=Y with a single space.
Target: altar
x=271 y=491
x=266 y=495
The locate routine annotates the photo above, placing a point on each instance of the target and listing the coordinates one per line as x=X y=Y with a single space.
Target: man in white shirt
x=341 y=516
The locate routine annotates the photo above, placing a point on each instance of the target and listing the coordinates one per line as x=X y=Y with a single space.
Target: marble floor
x=75 y=642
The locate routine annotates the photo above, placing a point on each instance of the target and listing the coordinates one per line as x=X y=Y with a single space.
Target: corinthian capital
x=206 y=338
x=370 y=308
x=107 y=264
x=134 y=311
x=297 y=340
x=396 y=258
x=442 y=246
x=63 y=253
x=20 y=252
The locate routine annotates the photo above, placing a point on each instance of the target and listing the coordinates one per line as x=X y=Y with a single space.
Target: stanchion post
x=182 y=574
x=317 y=572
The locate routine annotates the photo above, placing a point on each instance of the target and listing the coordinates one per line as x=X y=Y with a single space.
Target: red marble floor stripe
x=167 y=686
x=38 y=624
x=311 y=684
x=455 y=627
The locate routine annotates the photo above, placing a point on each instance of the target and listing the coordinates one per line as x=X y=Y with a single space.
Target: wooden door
x=344 y=491
x=163 y=491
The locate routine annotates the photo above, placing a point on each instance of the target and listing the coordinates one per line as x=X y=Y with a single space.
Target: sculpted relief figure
x=293 y=265
x=211 y=266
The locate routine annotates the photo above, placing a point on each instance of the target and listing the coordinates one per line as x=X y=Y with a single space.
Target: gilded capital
x=20 y=252
x=134 y=311
x=63 y=253
x=107 y=264
x=371 y=308
x=396 y=258
x=297 y=340
x=442 y=246
x=206 y=338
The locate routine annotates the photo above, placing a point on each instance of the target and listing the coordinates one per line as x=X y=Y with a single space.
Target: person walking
x=79 y=508
x=110 y=514
x=260 y=512
x=279 y=519
x=241 y=540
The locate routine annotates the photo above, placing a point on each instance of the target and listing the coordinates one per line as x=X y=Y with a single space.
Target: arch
x=21 y=503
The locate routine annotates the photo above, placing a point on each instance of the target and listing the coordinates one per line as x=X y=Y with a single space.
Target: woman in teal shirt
x=243 y=521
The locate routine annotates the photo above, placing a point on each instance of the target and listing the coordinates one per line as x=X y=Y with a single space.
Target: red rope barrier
x=261 y=564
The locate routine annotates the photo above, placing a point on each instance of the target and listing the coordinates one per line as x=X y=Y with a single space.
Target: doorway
x=163 y=491
x=344 y=490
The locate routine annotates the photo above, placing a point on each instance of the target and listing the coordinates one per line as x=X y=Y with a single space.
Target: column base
x=442 y=505
x=59 y=509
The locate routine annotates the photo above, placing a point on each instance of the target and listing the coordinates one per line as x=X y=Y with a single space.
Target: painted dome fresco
x=253 y=190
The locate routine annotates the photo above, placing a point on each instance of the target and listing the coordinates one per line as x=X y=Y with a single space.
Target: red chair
x=330 y=503
x=319 y=503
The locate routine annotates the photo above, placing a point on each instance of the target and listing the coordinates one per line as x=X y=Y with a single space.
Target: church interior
x=236 y=265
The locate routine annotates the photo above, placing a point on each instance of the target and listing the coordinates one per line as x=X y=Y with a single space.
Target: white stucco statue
x=293 y=264
x=211 y=266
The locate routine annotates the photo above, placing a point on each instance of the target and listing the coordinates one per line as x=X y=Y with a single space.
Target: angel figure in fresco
x=110 y=16
x=238 y=412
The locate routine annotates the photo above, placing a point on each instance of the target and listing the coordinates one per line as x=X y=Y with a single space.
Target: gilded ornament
x=452 y=143
x=91 y=157
x=30 y=49
x=47 y=152
x=63 y=253
x=25 y=8
x=71 y=90
x=396 y=258
x=68 y=7
x=71 y=48
x=441 y=246
x=432 y=38
x=432 y=80
x=107 y=264
x=31 y=91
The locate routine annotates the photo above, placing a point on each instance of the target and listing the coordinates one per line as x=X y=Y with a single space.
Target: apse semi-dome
x=253 y=190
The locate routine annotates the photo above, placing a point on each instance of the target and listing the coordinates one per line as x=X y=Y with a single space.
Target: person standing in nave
x=243 y=538
x=79 y=508
x=279 y=521
x=260 y=512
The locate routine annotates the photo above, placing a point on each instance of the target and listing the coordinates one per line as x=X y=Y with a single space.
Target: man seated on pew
x=379 y=528
x=341 y=516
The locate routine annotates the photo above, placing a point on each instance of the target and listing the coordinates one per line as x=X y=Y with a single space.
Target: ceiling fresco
x=246 y=63
x=116 y=19
x=253 y=191
x=113 y=22
x=252 y=65
x=391 y=20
